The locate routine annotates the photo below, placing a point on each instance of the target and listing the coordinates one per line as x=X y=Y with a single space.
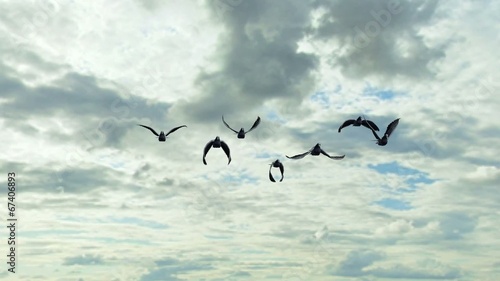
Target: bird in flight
x=276 y=164
x=315 y=151
x=216 y=143
x=241 y=133
x=390 y=128
x=358 y=122
x=162 y=136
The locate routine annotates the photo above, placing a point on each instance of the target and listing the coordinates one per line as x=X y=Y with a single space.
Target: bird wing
x=255 y=124
x=391 y=127
x=175 y=129
x=369 y=124
x=282 y=170
x=226 y=150
x=371 y=128
x=347 y=123
x=271 y=175
x=375 y=134
x=154 y=132
x=205 y=151
x=228 y=125
x=299 y=156
x=332 y=157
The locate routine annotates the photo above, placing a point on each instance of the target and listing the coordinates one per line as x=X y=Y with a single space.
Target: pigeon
x=241 y=133
x=315 y=151
x=358 y=122
x=162 y=136
x=216 y=143
x=276 y=164
x=383 y=141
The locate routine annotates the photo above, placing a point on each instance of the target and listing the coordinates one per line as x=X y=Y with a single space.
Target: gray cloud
x=257 y=60
x=379 y=37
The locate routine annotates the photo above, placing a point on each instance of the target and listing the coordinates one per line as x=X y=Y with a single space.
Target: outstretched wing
x=226 y=150
x=205 y=151
x=332 y=157
x=175 y=129
x=369 y=124
x=282 y=170
x=347 y=123
x=228 y=125
x=257 y=122
x=371 y=128
x=154 y=132
x=391 y=127
x=271 y=175
x=299 y=156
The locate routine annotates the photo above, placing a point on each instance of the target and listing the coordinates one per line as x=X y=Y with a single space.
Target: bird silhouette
x=276 y=164
x=358 y=122
x=162 y=136
x=241 y=133
x=390 y=129
x=315 y=151
x=216 y=143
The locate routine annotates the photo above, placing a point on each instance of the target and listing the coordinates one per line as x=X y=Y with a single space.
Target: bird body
x=276 y=164
x=358 y=122
x=241 y=133
x=162 y=136
x=216 y=143
x=385 y=138
x=315 y=151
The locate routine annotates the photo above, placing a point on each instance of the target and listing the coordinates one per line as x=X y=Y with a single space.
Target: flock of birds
x=314 y=151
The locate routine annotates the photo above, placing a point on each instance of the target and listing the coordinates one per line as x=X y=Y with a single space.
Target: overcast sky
x=100 y=198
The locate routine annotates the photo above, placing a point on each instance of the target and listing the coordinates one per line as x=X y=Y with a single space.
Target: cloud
x=379 y=38
x=354 y=263
x=84 y=260
x=169 y=268
x=257 y=60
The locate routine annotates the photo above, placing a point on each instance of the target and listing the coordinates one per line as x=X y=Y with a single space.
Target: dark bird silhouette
x=216 y=143
x=162 y=136
x=241 y=133
x=358 y=122
x=383 y=141
x=315 y=151
x=276 y=164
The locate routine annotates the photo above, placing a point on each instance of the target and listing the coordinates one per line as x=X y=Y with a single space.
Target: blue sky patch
x=321 y=98
x=414 y=176
x=379 y=93
x=394 y=204
x=243 y=178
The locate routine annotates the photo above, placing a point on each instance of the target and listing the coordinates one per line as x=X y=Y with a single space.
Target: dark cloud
x=379 y=37
x=257 y=60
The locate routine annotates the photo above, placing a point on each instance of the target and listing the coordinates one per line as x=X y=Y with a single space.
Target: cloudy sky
x=99 y=198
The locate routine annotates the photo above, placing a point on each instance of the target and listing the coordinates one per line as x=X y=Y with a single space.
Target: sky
x=100 y=198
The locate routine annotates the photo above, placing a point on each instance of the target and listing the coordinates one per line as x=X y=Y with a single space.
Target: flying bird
x=276 y=164
x=358 y=122
x=315 y=151
x=241 y=133
x=162 y=136
x=383 y=141
x=216 y=143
